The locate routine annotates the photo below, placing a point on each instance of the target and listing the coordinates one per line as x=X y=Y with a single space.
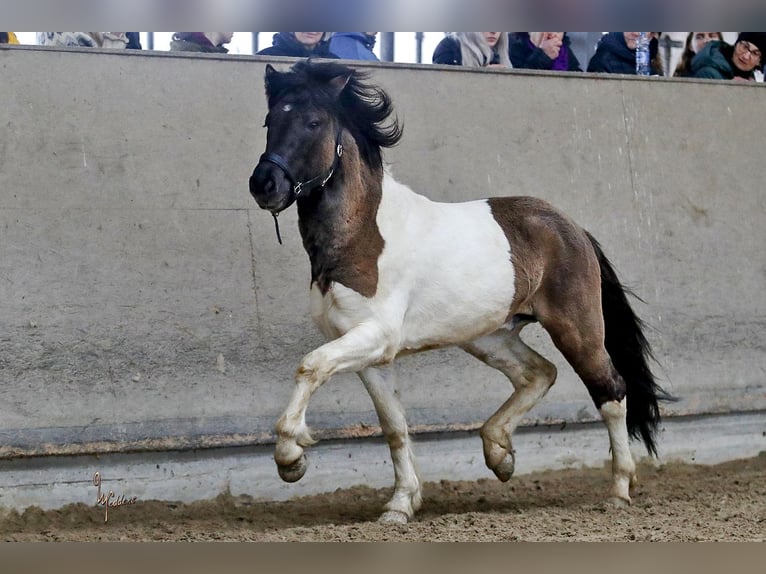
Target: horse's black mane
x=361 y=107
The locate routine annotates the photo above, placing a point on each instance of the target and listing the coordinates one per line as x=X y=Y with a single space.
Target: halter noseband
x=319 y=181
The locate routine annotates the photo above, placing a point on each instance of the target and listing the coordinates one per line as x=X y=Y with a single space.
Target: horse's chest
x=335 y=308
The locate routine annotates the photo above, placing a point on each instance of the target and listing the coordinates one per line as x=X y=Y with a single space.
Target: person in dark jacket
x=695 y=41
x=354 y=45
x=616 y=54
x=300 y=45
x=134 y=40
x=543 y=51
x=721 y=61
x=209 y=42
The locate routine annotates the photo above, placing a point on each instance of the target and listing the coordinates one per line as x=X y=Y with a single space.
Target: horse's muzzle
x=270 y=188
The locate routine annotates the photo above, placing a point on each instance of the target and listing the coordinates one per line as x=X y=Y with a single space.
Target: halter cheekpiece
x=319 y=181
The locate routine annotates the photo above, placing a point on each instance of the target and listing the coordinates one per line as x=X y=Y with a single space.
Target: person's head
x=477 y=52
x=310 y=40
x=491 y=38
x=631 y=39
x=695 y=41
x=219 y=38
x=748 y=51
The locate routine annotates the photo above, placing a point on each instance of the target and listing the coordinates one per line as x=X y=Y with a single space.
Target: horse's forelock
x=364 y=109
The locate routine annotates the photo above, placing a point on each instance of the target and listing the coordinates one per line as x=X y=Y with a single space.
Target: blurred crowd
x=705 y=54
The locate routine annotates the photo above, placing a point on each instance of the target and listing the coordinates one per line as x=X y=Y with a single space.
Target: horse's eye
x=314 y=124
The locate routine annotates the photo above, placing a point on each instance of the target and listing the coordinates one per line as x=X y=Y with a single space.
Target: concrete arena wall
x=147 y=305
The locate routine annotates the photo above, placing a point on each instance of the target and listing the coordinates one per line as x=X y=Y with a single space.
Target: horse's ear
x=339 y=83
x=270 y=73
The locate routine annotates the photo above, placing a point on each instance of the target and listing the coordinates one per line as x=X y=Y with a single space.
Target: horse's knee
x=395 y=439
x=313 y=371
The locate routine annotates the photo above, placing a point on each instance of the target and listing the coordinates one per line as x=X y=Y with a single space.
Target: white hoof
x=394 y=517
x=618 y=502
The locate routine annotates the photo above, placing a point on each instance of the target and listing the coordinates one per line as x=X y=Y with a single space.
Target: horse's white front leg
x=380 y=384
x=359 y=348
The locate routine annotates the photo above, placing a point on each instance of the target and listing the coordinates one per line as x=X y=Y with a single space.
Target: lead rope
x=276 y=226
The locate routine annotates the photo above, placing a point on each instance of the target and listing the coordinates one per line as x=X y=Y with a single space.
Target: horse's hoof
x=618 y=502
x=394 y=517
x=293 y=472
x=504 y=470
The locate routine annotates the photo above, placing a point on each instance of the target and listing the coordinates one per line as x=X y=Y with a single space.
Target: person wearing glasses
x=720 y=61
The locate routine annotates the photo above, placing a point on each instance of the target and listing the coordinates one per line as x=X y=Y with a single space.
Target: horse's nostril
x=260 y=182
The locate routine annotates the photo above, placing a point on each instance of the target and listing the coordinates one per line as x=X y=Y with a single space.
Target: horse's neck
x=339 y=229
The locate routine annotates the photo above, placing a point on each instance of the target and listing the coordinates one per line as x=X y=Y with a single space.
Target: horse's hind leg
x=380 y=384
x=531 y=376
x=582 y=344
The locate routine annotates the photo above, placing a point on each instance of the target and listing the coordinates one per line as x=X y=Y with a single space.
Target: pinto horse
x=393 y=272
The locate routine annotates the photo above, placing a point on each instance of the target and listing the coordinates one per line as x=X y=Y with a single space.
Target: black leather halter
x=319 y=181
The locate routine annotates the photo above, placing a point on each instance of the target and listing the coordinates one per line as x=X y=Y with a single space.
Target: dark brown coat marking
x=558 y=281
x=339 y=226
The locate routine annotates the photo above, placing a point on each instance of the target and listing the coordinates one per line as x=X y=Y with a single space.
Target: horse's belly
x=444 y=320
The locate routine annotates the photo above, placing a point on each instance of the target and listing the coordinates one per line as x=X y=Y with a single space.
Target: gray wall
x=147 y=305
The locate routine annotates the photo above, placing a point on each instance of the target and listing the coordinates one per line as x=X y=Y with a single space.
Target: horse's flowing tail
x=630 y=353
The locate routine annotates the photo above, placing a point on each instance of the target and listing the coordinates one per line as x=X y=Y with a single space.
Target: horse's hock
x=151 y=322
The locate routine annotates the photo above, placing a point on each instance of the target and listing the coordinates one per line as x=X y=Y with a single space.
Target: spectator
x=114 y=40
x=134 y=40
x=8 y=38
x=354 y=45
x=616 y=54
x=695 y=41
x=721 y=61
x=208 y=42
x=655 y=62
x=300 y=45
x=474 y=49
x=543 y=51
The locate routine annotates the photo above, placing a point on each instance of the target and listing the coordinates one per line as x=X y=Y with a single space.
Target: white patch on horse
x=287 y=108
x=419 y=304
x=623 y=467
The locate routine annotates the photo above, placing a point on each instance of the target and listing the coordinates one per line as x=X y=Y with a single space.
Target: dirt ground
x=673 y=502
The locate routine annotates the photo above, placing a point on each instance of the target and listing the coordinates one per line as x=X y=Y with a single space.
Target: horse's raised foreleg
x=380 y=384
x=359 y=348
x=531 y=376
